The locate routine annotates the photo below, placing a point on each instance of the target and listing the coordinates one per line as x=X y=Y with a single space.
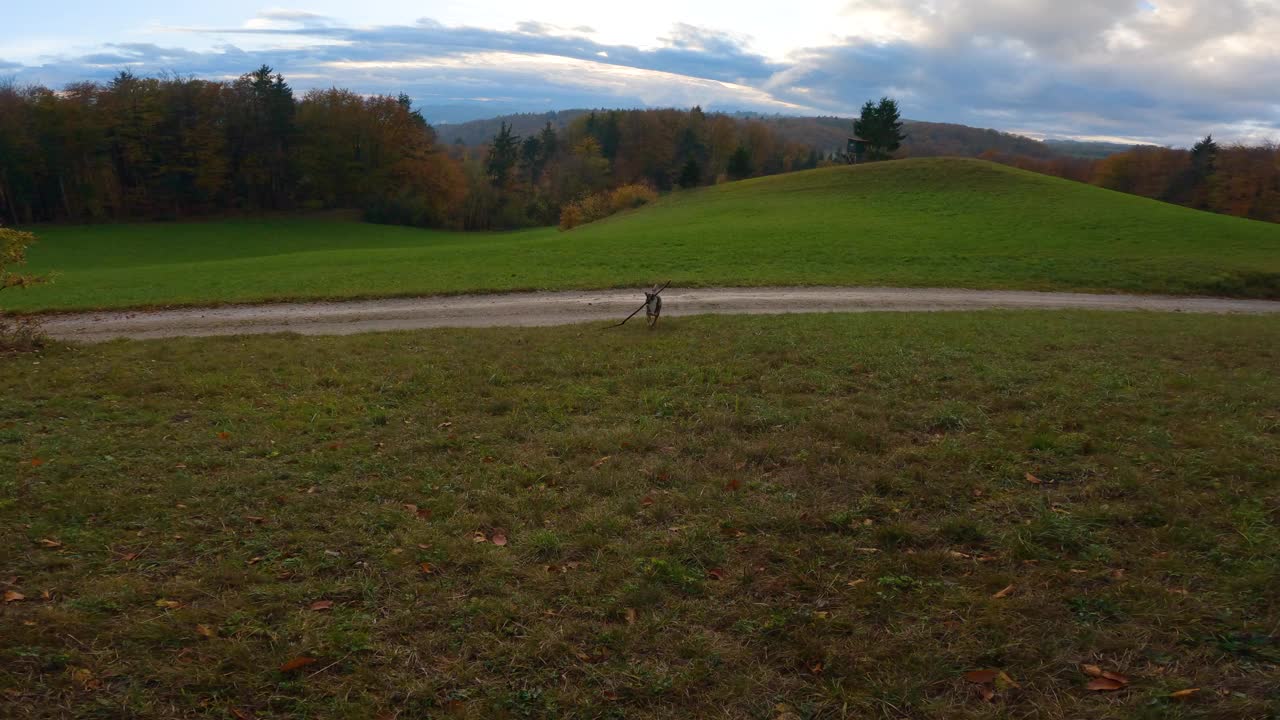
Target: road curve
x=561 y=308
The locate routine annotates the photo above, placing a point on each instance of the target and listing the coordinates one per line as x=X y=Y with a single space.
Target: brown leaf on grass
x=224 y=435
x=980 y=676
x=423 y=513
x=647 y=500
x=1105 y=685
x=1004 y=593
x=444 y=425
x=499 y=539
x=1004 y=682
x=254 y=560
x=241 y=714
x=50 y=543
x=168 y=604
x=1033 y=479
x=413 y=509
x=83 y=677
x=715 y=574
x=255 y=519
x=1184 y=694
x=206 y=631
x=959 y=555
x=630 y=615
x=733 y=484
x=816 y=667
x=299 y=662
x=856 y=583
x=13 y=596
x=1097 y=672
x=36 y=462
x=601 y=461
x=479 y=537
x=427 y=568
x=987 y=693
x=322 y=605
x=127 y=557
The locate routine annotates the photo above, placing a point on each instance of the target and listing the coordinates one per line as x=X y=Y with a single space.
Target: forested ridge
x=175 y=147
x=139 y=148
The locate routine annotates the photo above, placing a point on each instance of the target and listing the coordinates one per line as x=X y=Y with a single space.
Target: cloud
x=1165 y=71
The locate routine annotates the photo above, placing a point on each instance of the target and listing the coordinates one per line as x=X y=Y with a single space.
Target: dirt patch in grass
x=804 y=516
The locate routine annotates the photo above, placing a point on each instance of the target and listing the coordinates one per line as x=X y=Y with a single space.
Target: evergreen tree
x=740 y=165
x=880 y=124
x=690 y=174
x=503 y=152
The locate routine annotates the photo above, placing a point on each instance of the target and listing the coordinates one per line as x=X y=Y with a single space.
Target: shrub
x=17 y=334
x=603 y=204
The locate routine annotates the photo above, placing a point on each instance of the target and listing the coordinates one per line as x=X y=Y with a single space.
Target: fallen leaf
x=479 y=537
x=50 y=543
x=986 y=692
x=601 y=461
x=427 y=569
x=630 y=614
x=1033 y=479
x=959 y=555
x=1097 y=672
x=241 y=714
x=856 y=583
x=1184 y=694
x=254 y=560
x=36 y=462
x=980 y=676
x=423 y=513
x=224 y=435
x=129 y=556
x=206 y=631
x=255 y=519
x=168 y=604
x=85 y=679
x=1003 y=593
x=647 y=500
x=715 y=574
x=733 y=484
x=1104 y=685
x=411 y=508
x=1004 y=682
x=816 y=667
x=499 y=539
x=13 y=596
x=322 y=605
x=444 y=425
x=299 y=662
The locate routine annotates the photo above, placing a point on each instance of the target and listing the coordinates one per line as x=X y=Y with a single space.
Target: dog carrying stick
x=642 y=307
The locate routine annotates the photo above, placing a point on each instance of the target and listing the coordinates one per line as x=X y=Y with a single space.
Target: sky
x=1163 y=71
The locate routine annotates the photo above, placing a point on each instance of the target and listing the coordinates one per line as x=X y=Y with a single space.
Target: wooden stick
x=642 y=306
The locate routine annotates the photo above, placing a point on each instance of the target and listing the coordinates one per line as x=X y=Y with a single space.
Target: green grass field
x=958 y=223
x=771 y=517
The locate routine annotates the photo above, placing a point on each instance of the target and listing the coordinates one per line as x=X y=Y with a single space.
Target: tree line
x=173 y=147
x=1238 y=180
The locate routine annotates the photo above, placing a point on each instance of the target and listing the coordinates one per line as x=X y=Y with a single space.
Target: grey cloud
x=1043 y=66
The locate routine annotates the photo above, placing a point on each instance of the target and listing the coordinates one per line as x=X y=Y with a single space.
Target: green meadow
x=935 y=222
x=825 y=516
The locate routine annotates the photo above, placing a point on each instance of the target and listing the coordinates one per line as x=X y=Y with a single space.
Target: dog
x=653 y=306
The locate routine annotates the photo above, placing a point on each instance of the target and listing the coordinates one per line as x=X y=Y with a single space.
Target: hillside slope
x=947 y=223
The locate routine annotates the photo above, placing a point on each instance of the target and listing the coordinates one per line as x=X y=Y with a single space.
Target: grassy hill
x=937 y=222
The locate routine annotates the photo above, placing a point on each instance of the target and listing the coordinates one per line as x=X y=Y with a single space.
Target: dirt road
x=559 y=308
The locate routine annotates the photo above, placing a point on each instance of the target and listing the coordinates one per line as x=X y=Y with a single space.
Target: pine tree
x=503 y=153
x=881 y=126
x=740 y=163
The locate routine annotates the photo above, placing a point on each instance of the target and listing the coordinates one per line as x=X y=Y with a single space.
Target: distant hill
x=1089 y=150
x=826 y=133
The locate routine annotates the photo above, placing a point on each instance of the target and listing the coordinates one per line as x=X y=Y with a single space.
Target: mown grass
x=949 y=222
x=772 y=517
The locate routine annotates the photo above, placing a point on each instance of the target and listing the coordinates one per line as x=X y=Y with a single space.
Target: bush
x=17 y=334
x=603 y=204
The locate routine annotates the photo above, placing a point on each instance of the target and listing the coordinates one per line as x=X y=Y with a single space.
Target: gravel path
x=603 y=306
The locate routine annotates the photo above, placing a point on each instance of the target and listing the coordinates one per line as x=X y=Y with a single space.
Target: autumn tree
x=21 y=333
